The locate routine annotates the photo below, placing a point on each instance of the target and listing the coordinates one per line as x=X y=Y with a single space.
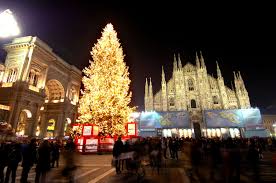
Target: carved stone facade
x=192 y=88
x=37 y=89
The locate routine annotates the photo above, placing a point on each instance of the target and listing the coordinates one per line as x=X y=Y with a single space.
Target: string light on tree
x=106 y=95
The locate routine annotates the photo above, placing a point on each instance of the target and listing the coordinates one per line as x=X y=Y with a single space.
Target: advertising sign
x=131 y=129
x=87 y=130
x=149 y=121
x=174 y=119
x=95 y=130
x=51 y=125
x=91 y=145
x=233 y=118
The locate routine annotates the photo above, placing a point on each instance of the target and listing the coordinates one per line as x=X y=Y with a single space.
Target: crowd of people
x=220 y=157
x=43 y=154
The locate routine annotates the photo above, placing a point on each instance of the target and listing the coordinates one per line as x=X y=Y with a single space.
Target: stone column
x=14 y=114
x=35 y=120
x=59 y=125
x=44 y=124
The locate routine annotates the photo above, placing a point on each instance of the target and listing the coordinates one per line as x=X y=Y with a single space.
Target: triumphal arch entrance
x=39 y=91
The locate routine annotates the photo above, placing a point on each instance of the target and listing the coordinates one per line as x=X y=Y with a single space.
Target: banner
x=149 y=121
x=232 y=118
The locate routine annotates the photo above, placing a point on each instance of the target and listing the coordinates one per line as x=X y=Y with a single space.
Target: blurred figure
x=29 y=158
x=215 y=158
x=117 y=150
x=3 y=160
x=14 y=157
x=69 y=157
x=43 y=162
x=253 y=159
x=55 y=154
x=164 y=147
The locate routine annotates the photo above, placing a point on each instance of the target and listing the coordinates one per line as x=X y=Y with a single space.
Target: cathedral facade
x=192 y=89
x=39 y=91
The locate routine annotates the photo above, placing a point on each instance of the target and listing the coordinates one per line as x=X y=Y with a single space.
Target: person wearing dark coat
x=43 y=162
x=29 y=158
x=117 y=150
x=14 y=157
x=55 y=154
x=3 y=160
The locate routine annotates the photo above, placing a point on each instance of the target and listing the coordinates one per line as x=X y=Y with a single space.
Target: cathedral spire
x=240 y=77
x=179 y=62
x=197 y=61
x=163 y=76
x=235 y=77
x=218 y=71
x=146 y=88
x=150 y=89
x=174 y=63
x=202 y=60
x=232 y=87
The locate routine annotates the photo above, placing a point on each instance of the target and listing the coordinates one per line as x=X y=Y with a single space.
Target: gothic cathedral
x=192 y=88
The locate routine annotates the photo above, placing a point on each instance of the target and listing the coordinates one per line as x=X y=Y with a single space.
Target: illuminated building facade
x=39 y=91
x=193 y=90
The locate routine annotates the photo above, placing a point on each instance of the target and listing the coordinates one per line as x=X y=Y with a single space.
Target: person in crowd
x=70 y=162
x=43 y=162
x=3 y=159
x=156 y=157
x=164 y=147
x=14 y=157
x=55 y=154
x=29 y=158
x=171 y=147
x=253 y=158
x=175 y=148
x=195 y=158
x=117 y=150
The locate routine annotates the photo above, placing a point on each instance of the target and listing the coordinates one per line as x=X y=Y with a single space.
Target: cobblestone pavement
x=97 y=168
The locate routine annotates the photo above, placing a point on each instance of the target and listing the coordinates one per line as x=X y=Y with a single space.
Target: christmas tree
x=106 y=96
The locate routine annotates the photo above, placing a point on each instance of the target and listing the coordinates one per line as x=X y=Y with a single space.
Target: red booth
x=88 y=141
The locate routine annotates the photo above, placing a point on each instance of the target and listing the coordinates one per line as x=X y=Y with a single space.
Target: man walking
x=117 y=150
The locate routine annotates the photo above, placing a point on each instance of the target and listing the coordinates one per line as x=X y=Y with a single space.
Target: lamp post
x=8 y=24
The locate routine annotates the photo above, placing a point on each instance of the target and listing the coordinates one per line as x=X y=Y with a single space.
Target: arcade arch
x=54 y=91
x=22 y=124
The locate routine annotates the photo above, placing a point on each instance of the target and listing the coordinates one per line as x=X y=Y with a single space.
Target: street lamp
x=8 y=24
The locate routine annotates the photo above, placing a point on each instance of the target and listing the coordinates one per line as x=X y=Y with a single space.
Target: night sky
x=239 y=37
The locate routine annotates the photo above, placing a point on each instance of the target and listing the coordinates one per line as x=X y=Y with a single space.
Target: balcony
x=7 y=85
x=33 y=88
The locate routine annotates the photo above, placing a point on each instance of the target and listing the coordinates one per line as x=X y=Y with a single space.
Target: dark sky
x=239 y=37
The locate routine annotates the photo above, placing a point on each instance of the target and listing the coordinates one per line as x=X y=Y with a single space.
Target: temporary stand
x=88 y=140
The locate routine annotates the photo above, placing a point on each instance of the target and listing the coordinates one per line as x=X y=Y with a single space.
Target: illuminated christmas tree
x=106 y=95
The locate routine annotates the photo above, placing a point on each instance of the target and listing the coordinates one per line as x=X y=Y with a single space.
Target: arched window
x=12 y=75
x=190 y=85
x=33 y=77
x=215 y=100
x=171 y=101
x=193 y=103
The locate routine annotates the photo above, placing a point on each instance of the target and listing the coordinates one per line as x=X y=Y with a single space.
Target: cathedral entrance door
x=197 y=130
